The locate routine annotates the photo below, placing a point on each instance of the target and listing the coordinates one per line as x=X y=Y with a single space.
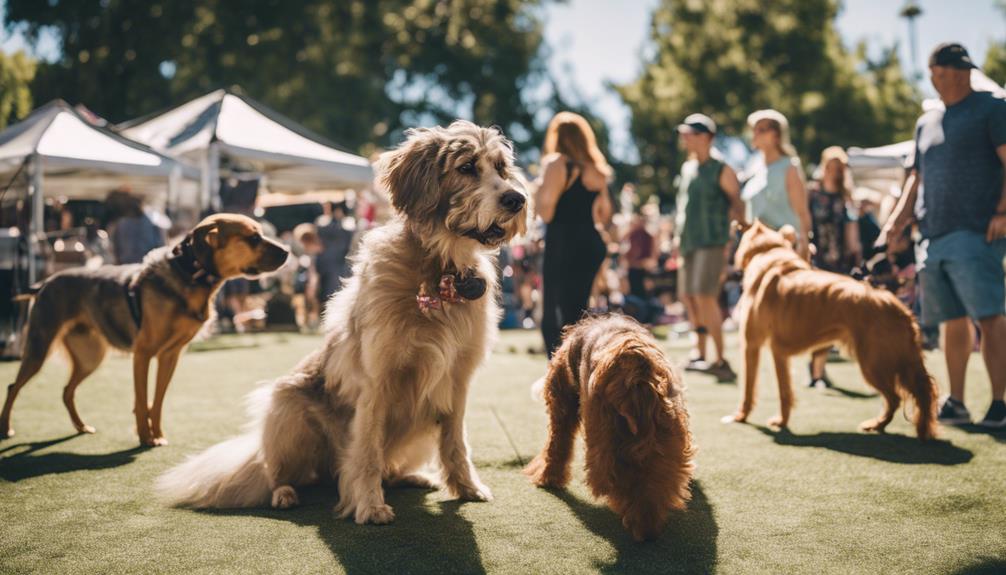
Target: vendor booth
x=229 y=136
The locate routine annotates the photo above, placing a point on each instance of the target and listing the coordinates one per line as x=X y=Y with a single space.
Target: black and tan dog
x=152 y=309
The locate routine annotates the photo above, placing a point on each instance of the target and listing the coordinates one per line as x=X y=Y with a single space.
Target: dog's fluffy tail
x=229 y=474
x=916 y=381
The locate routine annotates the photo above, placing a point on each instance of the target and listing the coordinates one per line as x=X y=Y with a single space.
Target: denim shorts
x=961 y=275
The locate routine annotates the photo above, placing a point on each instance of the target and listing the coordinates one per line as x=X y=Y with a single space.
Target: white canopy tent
x=64 y=155
x=226 y=124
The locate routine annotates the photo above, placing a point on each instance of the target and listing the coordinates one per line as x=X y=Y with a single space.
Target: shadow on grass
x=687 y=545
x=24 y=465
x=426 y=537
x=882 y=446
x=850 y=393
x=984 y=566
x=973 y=429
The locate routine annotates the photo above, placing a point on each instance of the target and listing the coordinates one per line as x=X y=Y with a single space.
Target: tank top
x=703 y=209
x=767 y=197
x=572 y=230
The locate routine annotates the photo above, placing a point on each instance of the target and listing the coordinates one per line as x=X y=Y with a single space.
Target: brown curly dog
x=611 y=375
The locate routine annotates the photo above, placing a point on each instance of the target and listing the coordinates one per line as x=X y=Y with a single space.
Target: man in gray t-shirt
x=958 y=166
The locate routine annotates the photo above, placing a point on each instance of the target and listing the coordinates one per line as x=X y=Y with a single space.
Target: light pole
x=910 y=12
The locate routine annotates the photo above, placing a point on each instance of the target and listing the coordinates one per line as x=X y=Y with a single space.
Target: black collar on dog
x=198 y=271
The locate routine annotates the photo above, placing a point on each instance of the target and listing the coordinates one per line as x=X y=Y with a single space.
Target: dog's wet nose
x=513 y=201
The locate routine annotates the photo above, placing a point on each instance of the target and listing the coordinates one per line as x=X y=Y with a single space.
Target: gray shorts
x=961 y=275
x=700 y=271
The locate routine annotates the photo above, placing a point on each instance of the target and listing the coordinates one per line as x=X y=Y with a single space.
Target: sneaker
x=820 y=383
x=722 y=371
x=996 y=416
x=697 y=364
x=953 y=412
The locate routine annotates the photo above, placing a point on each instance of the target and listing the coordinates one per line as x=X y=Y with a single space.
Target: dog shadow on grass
x=427 y=536
x=885 y=447
x=984 y=566
x=687 y=545
x=24 y=463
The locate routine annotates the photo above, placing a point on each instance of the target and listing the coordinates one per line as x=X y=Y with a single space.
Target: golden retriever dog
x=153 y=309
x=796 y=309
x=385 y=395
x=611 y=375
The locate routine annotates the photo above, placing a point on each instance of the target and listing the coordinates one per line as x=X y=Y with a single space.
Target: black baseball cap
x=697 y=124
x=951 y=55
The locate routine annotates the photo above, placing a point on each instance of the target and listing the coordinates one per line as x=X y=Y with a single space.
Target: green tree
x=355 y=70
x=727 y=58
x=995 y=58
x=16 y=73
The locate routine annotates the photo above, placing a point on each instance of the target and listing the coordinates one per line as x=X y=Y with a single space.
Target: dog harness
x=454 y=287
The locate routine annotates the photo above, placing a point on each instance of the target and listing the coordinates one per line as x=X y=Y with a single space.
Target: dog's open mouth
x=251 y=271
x=490 y=236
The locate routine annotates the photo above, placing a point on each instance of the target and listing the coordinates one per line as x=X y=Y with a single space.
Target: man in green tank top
x=708 y=195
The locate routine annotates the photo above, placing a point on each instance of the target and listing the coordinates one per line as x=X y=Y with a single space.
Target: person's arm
x=797 y=193
x=901 y=217
x=550 y=187
x=732 y=188
x=997 y=225
x=602 y=209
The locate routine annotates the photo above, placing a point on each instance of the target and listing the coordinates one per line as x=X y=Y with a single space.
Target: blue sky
x=595 y=41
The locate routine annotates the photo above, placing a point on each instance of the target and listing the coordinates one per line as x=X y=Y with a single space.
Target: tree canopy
x=727 y=58
x=16 y=73
x=354 y=70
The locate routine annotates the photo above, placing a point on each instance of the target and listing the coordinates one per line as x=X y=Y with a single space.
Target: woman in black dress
x=572 y=199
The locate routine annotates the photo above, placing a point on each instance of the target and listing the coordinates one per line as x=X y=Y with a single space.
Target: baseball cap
x=951 y=55
x=698 y=124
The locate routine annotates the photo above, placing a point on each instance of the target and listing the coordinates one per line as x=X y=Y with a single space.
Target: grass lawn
x=822 y=498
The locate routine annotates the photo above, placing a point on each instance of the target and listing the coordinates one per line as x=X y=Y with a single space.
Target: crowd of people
x=954 y=187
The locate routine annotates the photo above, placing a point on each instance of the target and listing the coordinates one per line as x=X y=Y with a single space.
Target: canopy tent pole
x=36 y=224
x=213 y=200
x=174 y=189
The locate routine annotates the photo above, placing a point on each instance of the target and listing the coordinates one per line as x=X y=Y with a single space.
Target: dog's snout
x=275 y=255
x=513 y=201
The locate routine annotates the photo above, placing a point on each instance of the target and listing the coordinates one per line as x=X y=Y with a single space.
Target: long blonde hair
x=570 y=134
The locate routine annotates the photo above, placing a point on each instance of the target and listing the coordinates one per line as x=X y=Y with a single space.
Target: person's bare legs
x=958 y=341
x=817 y=363
x=695 y=318
x=994 y=353
x=712 y=320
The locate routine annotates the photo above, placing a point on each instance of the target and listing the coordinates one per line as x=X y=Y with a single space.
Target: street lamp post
x=910 y=12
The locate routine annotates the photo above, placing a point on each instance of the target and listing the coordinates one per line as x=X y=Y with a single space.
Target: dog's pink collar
x=453 y=288
x=447 y=293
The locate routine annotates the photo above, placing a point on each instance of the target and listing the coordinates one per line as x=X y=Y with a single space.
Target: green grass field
x=821 y=498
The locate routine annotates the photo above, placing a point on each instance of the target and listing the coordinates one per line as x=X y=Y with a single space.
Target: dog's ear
x=411 y=173
x=205 y=239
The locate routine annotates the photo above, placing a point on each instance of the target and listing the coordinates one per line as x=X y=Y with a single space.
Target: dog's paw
x=284 y=497
x=873 y=425
x=538 y=472
x=375 y=514
x=777 y=422
x=475 y=492
x=6 y=433
x=84 y=428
